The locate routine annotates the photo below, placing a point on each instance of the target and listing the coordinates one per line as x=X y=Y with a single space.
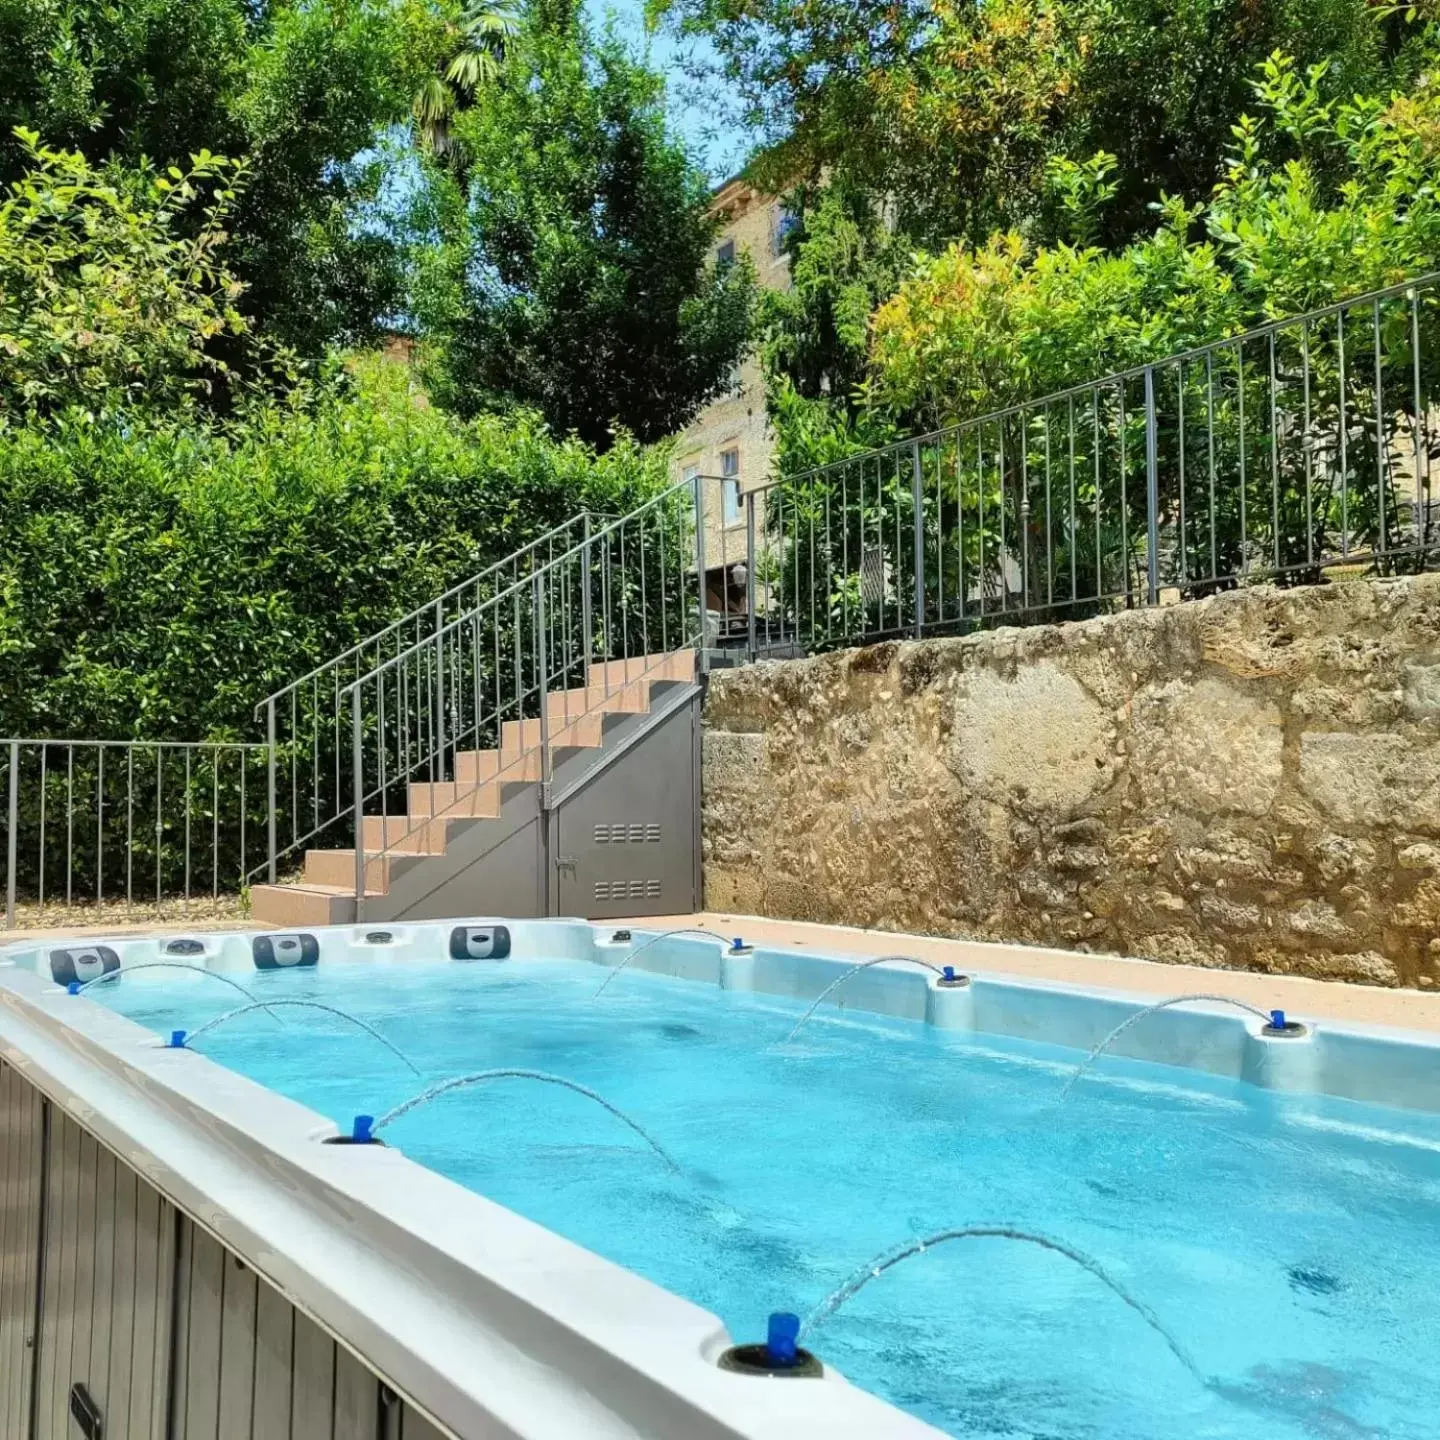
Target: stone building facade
x=1250 y=780
x=730 y=439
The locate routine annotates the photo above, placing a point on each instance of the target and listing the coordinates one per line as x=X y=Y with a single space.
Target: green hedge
x=160 y=578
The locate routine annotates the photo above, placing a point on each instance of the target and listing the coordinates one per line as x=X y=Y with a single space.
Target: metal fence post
x=700 y=570
x=438 y=773
x=12 y=835
x=750 y=574
x=917 y=492
x=357 y=784
x=1152 y=494
x=586 y=620
x=272 y=867
x=543 y=665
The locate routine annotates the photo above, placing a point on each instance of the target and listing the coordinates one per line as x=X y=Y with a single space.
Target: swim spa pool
x=1284 y=1238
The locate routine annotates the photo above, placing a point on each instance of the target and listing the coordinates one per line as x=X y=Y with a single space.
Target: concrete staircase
x=489 y=788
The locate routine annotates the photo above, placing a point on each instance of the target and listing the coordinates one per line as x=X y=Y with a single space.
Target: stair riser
x=517 y=736
x=476 y=767
x=677 y=666
x=337 y=867
x=456 y=800
x=632 y=699
x=406 y=836
x=284 y=907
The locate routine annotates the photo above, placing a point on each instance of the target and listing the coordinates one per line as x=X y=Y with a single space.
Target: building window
x=730 y=486
x=725 y=255
x=785 y=225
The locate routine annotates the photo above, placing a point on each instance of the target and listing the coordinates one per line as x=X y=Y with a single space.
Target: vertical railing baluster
x=940 y=444
x=1380 y=434
x=69 y=825
x=1004 y=550
x=438 y=769
x=917 y=500
x=1073 y=531
x=1124 y=497
x=186 y=902
x=12 y=833
x=99 y=827
x=1422 y=458
x=1307 y=444
x=542 y=667
x=1344 y=455
x=159 y=822
x=293 y=765
x=750 y=575
x=1152 y=493
x=1049 y=528
x=272 y=859
x=1274 y=462
x=896 y=488
x=1183 y=565
x=357 y=794
x=1240 y=413
x=1099 y=536
x=244 y=869
x=980 y=506
x=315 y=753
x=699 y=571
x=1210 y=429
x=44 y=785
x=130 y=820
x=959 y=530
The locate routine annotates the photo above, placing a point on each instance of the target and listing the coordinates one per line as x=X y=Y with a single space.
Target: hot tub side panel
x=105 y=1285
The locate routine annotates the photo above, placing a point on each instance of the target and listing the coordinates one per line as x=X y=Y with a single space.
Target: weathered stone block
x=1039 y=737
x=1380 y=779
x=1211 y=747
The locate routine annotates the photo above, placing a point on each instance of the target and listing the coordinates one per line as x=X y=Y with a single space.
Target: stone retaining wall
x=1251 y=780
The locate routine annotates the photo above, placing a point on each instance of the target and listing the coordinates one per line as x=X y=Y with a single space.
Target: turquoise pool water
x=1292 y=1244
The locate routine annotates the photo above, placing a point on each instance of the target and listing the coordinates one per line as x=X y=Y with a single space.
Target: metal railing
x=489 y=696
x=307 y=725
x=1284 y=453
x=107 y=826
x=1293 y=452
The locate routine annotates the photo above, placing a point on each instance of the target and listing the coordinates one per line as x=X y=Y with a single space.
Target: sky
x=718 y=141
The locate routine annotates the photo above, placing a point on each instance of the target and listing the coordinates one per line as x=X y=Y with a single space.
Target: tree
x=950 y=110
x=481 y=34
x=1319 y=200
x=844 y=261
x=300 y=88
x=108 y=296
x=568 y=269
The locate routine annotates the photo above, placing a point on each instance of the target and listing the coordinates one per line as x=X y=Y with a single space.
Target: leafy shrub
x=1352 y=208
x=107 y=295
x=160 y=577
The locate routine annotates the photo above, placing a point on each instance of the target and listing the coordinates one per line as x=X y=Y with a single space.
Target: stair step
x=285 y=906
x=631 y=699
x=677 y=665
x=407 y=835
x=586 y=733
x=455 y=798
x=474 y=767
x=337 y=868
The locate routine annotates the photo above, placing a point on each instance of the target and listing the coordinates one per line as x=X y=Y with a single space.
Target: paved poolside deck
x=1319 y=999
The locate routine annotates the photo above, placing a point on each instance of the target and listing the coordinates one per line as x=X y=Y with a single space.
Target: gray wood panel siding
x=173 y=1336
x=105 y=1291
x=21 y=1138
